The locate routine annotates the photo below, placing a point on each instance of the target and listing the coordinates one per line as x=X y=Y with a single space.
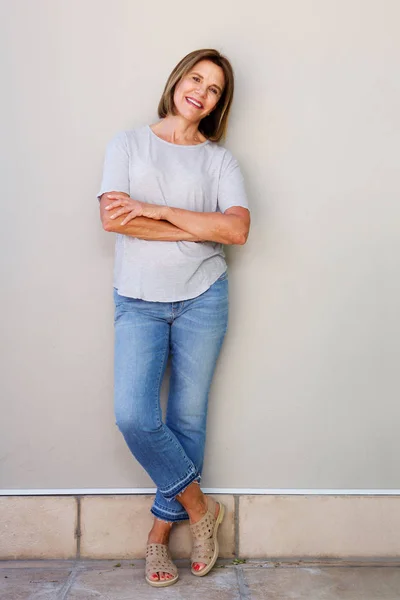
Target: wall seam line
x=78 y=530
x=236 y=524
x=242 y=584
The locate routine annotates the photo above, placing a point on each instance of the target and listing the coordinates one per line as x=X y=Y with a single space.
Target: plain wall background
x=306 y=393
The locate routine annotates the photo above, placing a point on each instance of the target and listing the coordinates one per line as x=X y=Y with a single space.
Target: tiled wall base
x=262 y=526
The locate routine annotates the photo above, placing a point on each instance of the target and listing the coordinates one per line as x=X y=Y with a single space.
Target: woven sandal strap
x=203 y=551
x=158 y=559
x=204 y=528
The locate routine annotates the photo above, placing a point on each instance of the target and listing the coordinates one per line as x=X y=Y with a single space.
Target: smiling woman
x=174 y=196
x=200 y=89
x=202 y=70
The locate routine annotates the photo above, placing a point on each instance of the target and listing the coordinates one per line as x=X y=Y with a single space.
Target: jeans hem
x=180 y=487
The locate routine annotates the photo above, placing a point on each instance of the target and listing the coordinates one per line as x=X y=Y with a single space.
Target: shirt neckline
x=177 y=145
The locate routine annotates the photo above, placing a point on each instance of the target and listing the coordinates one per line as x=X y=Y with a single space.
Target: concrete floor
x=292 y=580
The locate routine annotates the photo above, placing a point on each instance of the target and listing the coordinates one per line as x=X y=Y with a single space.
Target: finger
x=116 y=203
x=121 y=211
x=128 y=218
x=118 y=197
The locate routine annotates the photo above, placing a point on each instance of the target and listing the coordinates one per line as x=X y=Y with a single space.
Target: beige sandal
x=158 y=559
x=205 y=547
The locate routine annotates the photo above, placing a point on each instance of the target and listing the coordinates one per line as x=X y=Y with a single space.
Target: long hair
x=214 y=125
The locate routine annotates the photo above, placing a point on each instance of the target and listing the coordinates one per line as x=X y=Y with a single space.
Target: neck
x=178 y=130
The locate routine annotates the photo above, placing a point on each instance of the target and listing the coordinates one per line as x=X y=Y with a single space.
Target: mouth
x=193 y=102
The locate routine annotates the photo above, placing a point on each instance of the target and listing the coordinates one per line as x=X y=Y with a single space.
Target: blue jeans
x=145 y=334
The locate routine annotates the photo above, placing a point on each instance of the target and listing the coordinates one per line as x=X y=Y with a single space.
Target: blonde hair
x=214 y=125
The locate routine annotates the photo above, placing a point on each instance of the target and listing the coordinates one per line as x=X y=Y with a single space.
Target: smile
x=193 y=102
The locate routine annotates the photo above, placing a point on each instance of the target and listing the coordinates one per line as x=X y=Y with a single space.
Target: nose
x=201 y=90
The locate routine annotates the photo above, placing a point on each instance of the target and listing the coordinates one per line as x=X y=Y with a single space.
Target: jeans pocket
x=223 y=276
x=124 y=302
x=118 y=300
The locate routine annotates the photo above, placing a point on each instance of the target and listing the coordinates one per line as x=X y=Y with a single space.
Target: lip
x=195 y=99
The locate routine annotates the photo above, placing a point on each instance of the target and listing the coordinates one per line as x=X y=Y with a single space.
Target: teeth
x=194 y=102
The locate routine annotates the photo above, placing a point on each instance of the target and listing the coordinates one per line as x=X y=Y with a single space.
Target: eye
x=214 y=90
x=196 y=78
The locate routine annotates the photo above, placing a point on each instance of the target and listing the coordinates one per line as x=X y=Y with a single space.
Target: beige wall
x=306 y=394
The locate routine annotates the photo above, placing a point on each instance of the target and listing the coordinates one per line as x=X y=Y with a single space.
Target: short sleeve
x=116 y=166
x=231 y=188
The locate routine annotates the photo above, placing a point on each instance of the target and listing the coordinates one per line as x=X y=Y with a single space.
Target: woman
x=174 y=196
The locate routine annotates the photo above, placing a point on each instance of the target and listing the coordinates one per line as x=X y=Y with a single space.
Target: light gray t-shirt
x=203 y=178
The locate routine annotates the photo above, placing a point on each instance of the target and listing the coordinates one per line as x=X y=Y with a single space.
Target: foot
x=160 y=535
x=194 y=516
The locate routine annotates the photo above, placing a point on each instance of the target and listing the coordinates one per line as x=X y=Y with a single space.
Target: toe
x=154 y=576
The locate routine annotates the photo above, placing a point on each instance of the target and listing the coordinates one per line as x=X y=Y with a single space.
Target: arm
x=143 y=228
x=232 y=227
x=148 y=221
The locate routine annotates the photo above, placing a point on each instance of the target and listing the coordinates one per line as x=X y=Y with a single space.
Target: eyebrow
x=214 y=84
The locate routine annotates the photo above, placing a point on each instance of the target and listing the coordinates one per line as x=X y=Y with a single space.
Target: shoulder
x=136 y=133
x=220 y=153
x=128 y=139
x=224 y=157
x=224 y=154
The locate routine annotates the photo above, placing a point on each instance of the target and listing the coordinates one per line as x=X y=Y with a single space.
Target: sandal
x=158 y=559
x=205 y=548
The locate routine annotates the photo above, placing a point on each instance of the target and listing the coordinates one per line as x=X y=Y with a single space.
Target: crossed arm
x=164 y=223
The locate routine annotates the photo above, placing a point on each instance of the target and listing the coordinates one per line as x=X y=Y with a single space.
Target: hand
x=128 y=206
x=132 y=208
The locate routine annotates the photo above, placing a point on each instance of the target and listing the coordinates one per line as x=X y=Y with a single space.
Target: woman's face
x=199 y=90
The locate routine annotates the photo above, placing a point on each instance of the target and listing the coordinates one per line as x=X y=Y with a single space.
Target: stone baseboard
x=273 y=527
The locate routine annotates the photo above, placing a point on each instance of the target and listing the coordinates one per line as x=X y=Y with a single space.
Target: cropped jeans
x=146 y=333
